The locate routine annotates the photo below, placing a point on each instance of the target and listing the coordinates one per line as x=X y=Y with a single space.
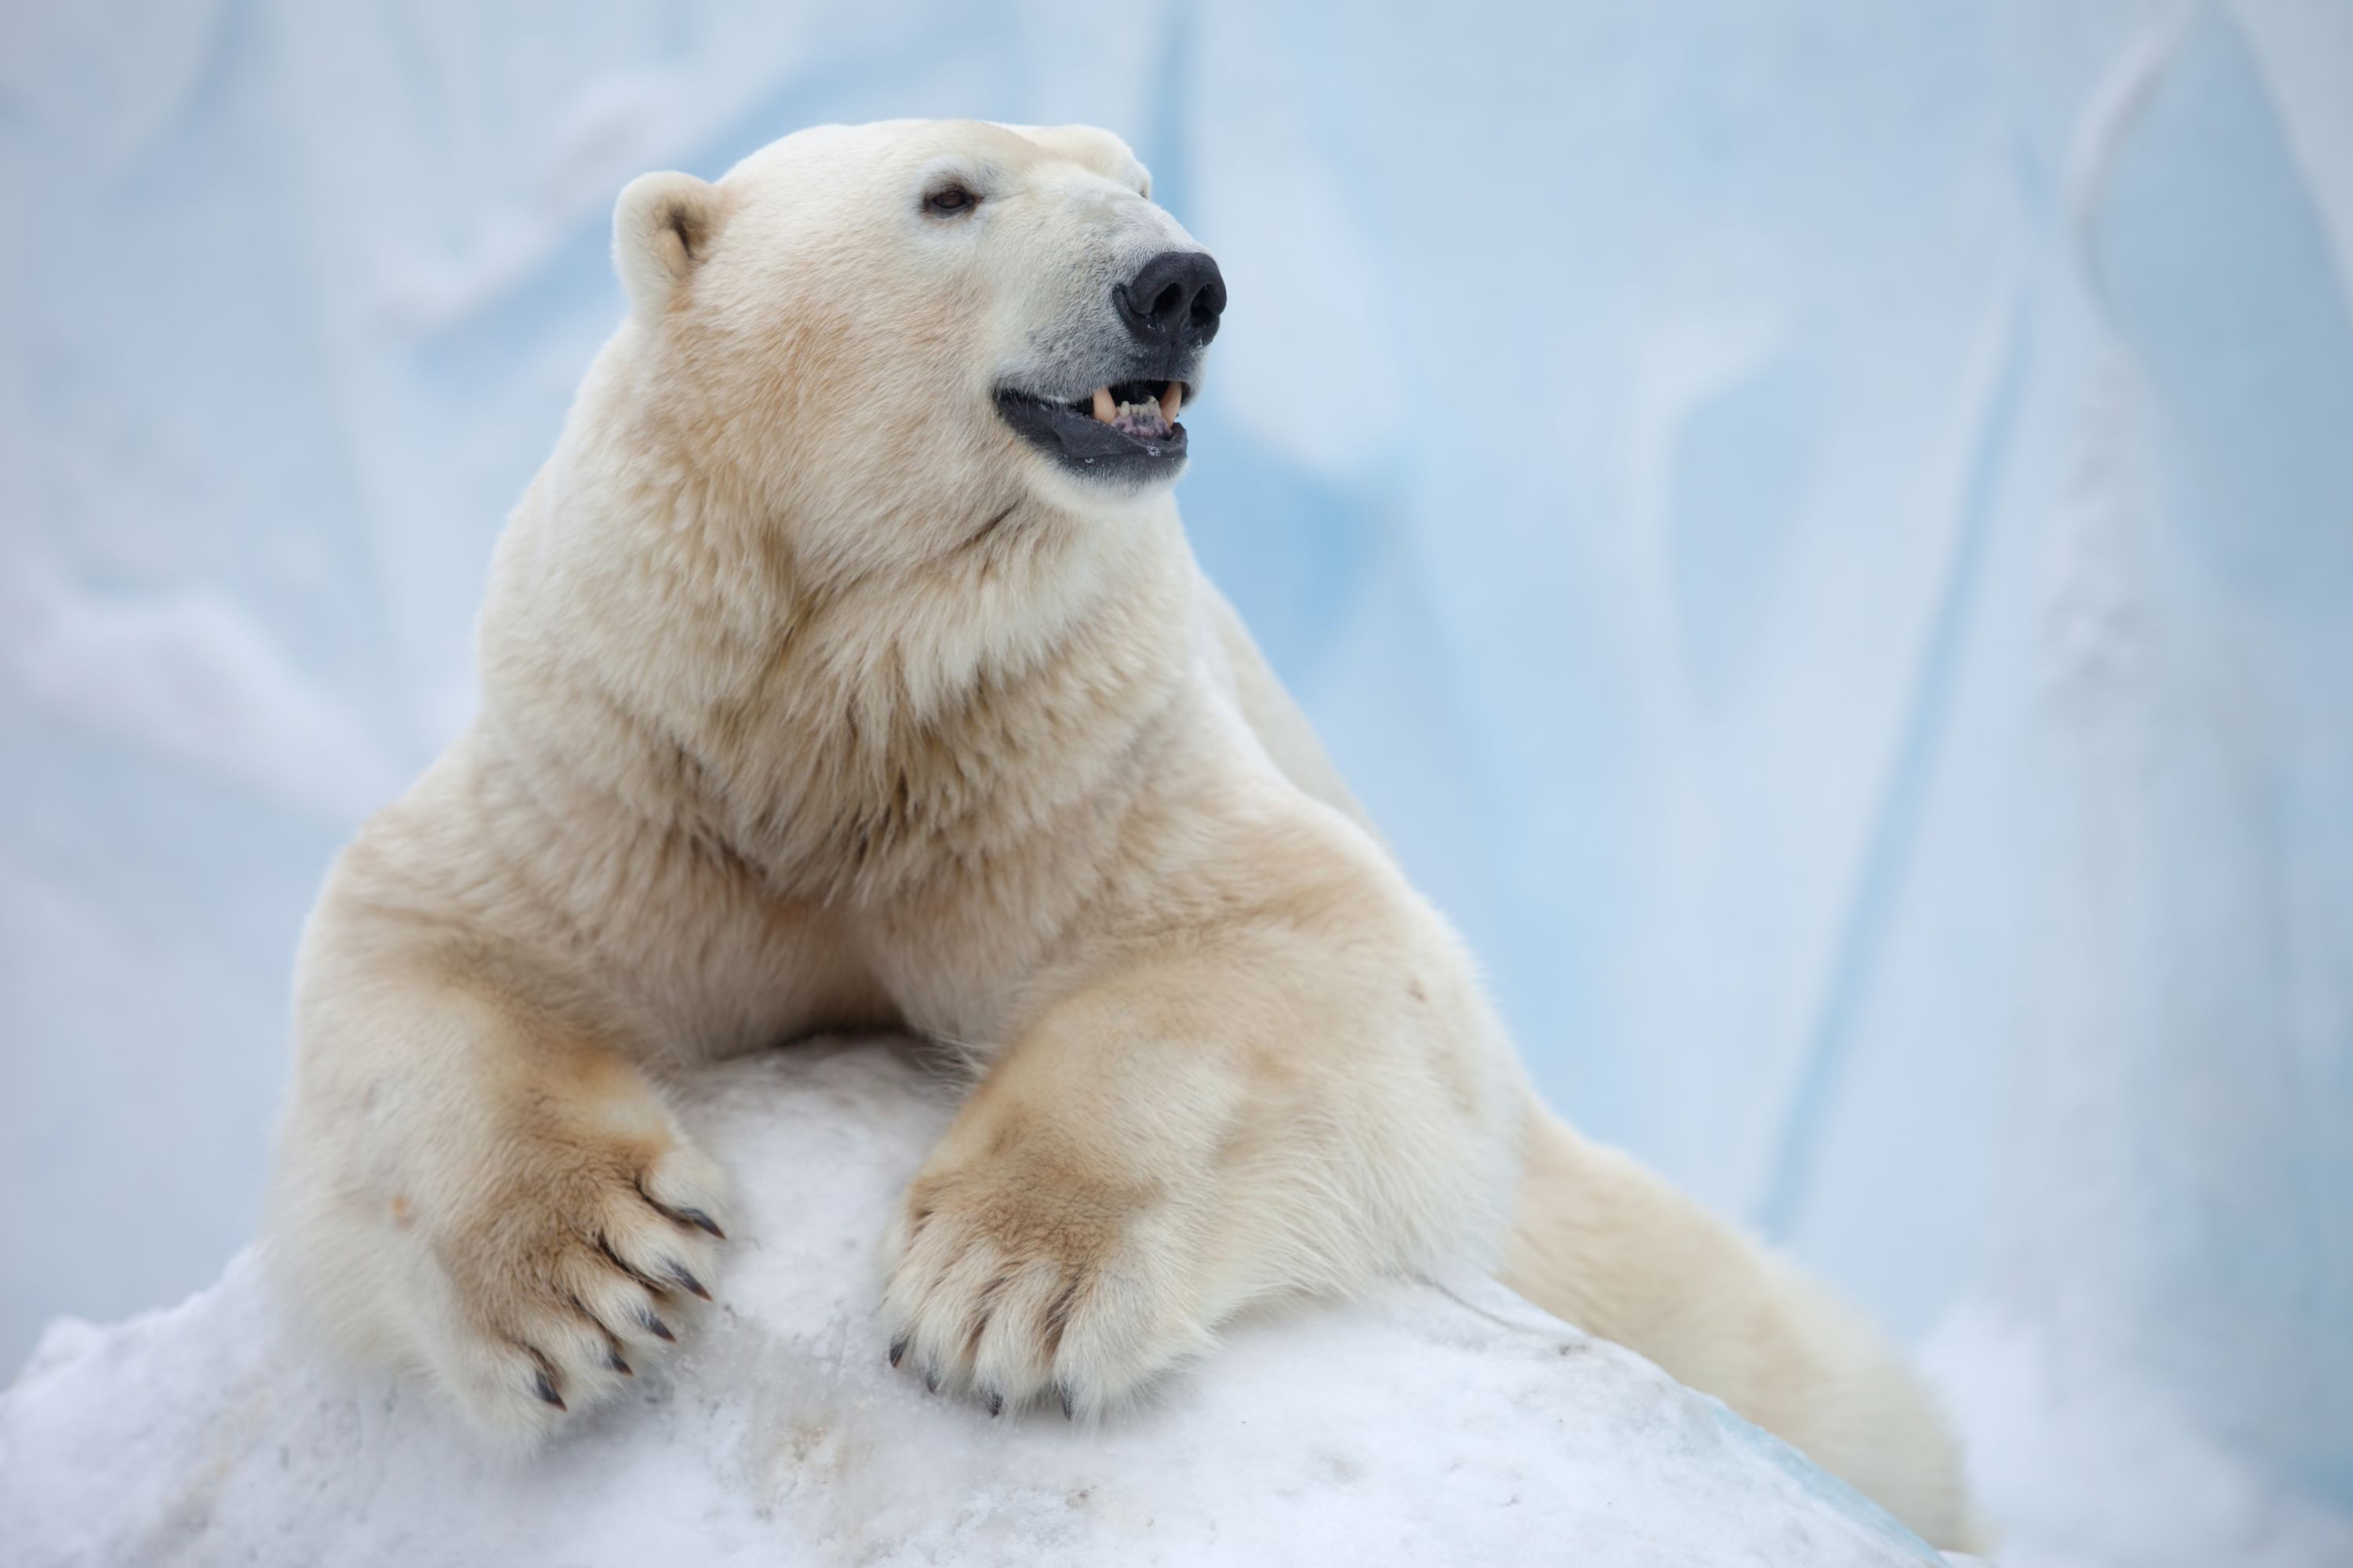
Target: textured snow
x=1425 y=1424
x=1821 y=533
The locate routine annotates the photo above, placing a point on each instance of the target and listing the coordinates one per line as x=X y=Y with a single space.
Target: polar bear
x=846 y=666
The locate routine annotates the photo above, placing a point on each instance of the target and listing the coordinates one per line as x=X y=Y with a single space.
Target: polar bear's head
x=891 y=335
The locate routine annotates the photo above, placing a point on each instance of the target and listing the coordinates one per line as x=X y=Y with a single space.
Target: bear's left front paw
x=1019 y=1282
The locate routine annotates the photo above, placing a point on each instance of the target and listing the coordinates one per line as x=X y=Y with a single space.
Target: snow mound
x=1449 y=1423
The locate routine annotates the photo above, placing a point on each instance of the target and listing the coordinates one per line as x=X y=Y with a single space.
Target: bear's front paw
x=1020 y=1282
x=576 y=1258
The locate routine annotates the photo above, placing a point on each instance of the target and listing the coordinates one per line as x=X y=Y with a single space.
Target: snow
x=1819 y=533
x=1423 y=1424
x=2144 y=1484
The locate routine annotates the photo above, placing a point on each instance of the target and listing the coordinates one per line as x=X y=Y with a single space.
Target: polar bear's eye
x=951 y=199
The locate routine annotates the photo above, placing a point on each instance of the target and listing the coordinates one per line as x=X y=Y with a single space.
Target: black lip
x=1083 y=444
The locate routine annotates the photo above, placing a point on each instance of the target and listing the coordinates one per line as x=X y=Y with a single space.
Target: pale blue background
x=1824 y=533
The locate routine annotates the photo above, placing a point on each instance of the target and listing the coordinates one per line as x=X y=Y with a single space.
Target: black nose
x=1175 y=301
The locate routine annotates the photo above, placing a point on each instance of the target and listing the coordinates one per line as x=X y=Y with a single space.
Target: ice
x=1835 y=572
x=1435 y=1423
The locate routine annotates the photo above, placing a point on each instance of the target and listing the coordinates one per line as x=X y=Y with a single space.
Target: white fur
x=814 y=699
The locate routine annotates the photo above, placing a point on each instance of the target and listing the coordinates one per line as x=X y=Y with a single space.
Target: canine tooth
x=1172 y=400
x=1105 y=409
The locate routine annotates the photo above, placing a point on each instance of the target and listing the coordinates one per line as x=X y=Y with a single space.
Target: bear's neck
x=853 y=741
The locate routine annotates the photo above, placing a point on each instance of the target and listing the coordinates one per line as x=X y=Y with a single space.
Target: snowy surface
x=1821 y=532
x=1452 y=1425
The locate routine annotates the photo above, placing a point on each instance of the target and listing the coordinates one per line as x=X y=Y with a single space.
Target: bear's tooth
x=1105 y=409
x=1172 y=400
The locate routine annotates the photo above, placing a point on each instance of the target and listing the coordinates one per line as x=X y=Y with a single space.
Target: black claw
x=683 y=1216
x=1068 y=1413
x=996 y=1402
x=658 y=1329
x=898 y=1349
x=931 y=1380
x=545 y=1386
x=686 y=1281
x=613 y=1360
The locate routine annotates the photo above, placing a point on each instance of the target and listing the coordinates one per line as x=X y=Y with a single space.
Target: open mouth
x=1124 y=430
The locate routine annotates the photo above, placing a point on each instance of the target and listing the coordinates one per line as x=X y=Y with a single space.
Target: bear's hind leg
x=1602 y=1242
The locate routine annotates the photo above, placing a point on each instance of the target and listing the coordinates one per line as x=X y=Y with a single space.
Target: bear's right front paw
x=541 y=1292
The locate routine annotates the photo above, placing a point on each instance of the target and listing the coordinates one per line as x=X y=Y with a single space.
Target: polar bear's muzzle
x=1124 y=431
x=1124 y=428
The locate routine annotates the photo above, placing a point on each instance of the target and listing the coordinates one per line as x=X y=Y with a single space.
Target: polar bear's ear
x=663 y=226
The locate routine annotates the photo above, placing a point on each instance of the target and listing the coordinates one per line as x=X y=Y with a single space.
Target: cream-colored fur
x=813 y=698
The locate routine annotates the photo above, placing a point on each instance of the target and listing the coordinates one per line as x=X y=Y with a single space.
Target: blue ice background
x=1825 y=535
